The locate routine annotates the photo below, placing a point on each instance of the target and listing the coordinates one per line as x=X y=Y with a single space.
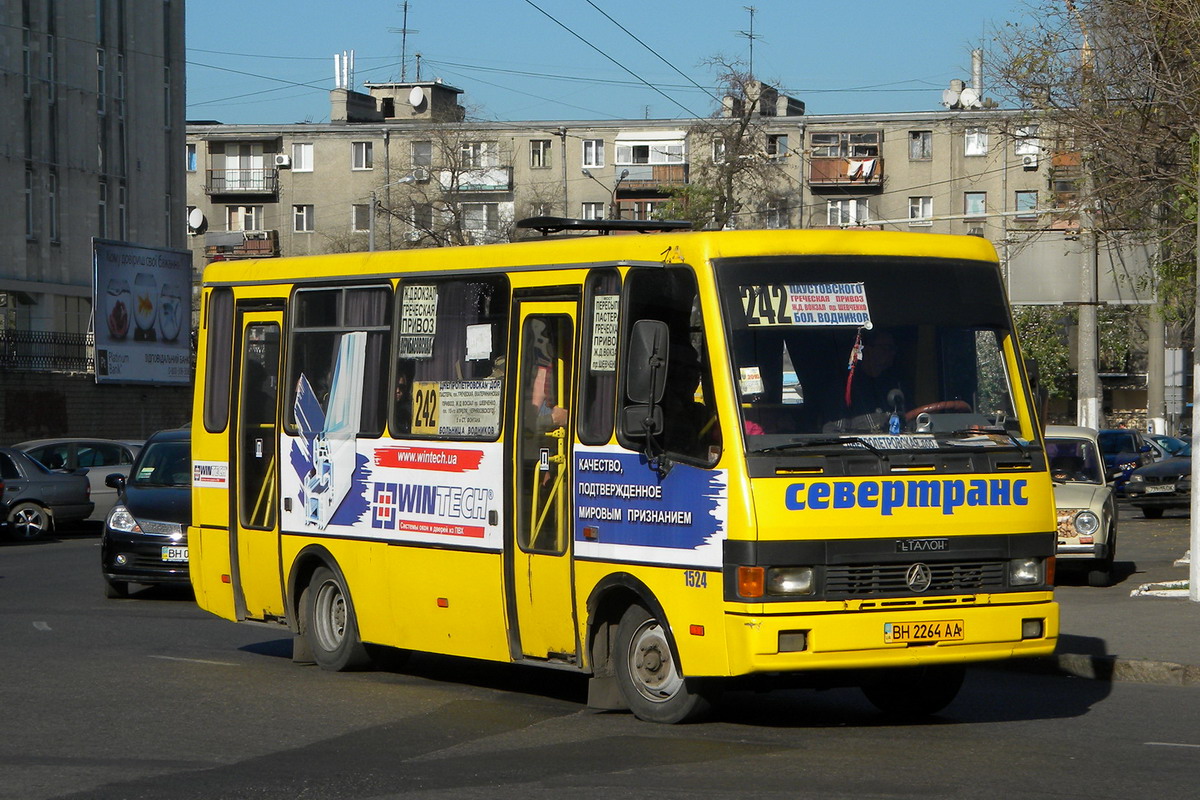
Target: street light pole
x=612 y=193
x=375 y=205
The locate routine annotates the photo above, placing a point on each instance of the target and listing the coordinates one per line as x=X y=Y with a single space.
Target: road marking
x=42 y=626
x=196 y=661
x=1171 y=744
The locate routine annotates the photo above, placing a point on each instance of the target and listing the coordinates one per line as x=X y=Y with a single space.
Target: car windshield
x=1074 y=461
x=890 y=353
x=164 y=464
x=1118 y=442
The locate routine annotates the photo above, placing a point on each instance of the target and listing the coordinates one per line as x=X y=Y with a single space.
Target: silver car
x=1087 y=507
x=100 y=457
x=33 y=500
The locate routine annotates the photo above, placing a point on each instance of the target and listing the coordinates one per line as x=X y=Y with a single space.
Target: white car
x=100 y=457
x=1087 y=507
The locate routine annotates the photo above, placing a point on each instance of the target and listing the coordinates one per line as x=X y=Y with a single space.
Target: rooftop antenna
x=750 y=35
x=343 y=69
x=404 y=31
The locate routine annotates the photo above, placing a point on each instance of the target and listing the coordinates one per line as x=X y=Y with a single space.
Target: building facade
x=90 y=141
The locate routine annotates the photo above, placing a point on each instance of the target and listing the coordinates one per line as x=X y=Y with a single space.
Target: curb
x=1111 y=668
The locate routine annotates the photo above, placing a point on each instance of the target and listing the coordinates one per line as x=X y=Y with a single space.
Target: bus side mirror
x=646 y=377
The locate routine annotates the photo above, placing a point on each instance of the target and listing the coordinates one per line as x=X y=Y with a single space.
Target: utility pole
x=1194 y=523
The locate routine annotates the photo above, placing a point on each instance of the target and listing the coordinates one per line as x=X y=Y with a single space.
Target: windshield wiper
x=824 y=441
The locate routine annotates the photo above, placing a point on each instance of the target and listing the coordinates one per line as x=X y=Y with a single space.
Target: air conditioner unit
x=282 y=160
x=1029 y=162
x=420 y=175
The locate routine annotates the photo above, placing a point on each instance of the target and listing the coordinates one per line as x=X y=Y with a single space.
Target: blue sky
x=271 y=61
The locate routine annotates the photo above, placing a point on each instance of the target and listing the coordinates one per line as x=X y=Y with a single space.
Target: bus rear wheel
x=914 y=692
x=331 y=628
x=649 y=680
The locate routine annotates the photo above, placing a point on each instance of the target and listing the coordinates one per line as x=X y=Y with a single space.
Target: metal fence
x=44 y=351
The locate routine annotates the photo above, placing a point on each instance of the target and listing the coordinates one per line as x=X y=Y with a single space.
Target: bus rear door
x=539 y=550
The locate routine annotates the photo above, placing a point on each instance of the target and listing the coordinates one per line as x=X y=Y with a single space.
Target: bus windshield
x=896 y=353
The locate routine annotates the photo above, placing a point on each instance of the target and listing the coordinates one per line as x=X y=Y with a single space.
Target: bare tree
x=736 y=186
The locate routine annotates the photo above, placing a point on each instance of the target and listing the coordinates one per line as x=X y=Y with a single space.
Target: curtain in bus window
x=368 y=308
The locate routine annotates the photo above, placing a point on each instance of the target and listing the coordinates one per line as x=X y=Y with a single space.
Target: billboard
x=142 y=307
x=1044 y=268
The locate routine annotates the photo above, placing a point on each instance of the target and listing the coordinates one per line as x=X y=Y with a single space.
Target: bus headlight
x=1086 y=523
x=789 y=580
x=1025 y=572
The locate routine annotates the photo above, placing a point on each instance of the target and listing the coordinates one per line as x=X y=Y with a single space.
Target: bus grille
x=859 y=580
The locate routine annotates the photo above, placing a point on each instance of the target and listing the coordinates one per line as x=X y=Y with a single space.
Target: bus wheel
x=651 y=685
x=331 y=628
x=910 y=692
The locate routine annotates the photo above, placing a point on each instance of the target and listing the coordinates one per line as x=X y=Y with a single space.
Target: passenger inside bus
x=874 y=383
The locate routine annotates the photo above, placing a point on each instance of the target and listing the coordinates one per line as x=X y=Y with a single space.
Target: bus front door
x=258 y=592
x=540 y=557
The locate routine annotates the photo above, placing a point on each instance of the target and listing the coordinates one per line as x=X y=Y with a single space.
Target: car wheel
x=914 y=692
x=648 y=679
x=28 y=521
x=1152 y=513
x=331 y=628
x=115 y=589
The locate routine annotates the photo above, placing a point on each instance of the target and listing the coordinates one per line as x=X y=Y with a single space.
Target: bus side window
x=690 y=427
x=598 y=371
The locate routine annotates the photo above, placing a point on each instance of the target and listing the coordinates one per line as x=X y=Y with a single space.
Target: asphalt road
x=152 y=698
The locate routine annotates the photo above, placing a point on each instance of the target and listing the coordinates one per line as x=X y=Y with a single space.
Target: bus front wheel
x=649 y=680
x=331 y=629
x=911 y=692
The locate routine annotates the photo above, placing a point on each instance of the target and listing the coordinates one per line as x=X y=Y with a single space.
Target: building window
x=718 y=150
x=646 y=209
x=363 y=157
x=190 y=156
x=480 y=217
x=29 y=229
x=592 y=211
x=422 y=154
x=920 y=145
x=777 y=145
x=665 y=152
x=920 y=211
x=360 y=217
x=243 y=218
x=776 y=215
x=479 y=155
x=302 y=157
x=850 y=211
x=1027 y=142
x=539 y=153
x=102 y=211
x=846 y=144
x=593 y=152
x=302 y=219
x=976 y=142
x=975 y=204
x=422 y=219
x=52 y=195
x=1026 y=205
x=100 y=96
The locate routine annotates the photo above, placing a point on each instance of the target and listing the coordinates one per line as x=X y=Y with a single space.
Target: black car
x=1124 y=451
x=1162 y=485
x=145 y=534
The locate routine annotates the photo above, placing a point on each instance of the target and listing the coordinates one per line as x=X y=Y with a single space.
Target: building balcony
x=230 y=245
x=845 y=172
x=483 y=179
x=652 y=176
x=242 y=182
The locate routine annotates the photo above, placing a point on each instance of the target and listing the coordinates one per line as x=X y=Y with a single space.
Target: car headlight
x=1087 y=523
x=1025 y=572
x=1136 y=478
x=119 y=519
x=789 y=580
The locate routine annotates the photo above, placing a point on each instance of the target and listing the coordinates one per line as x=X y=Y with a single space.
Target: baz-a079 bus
x=666 y=461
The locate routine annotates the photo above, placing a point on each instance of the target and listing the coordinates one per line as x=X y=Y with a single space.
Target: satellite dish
x=195 y=219
x=416 y=97
x=969 y=98
x=949 y=98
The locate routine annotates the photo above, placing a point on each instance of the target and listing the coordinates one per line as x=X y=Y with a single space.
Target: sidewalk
x=1143 y=629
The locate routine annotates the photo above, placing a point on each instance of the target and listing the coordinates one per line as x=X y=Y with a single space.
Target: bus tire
x=914 y=692
x=646 y=672
x=331 y=628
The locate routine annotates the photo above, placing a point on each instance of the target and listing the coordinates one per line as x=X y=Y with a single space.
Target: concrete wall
x=36 y=405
